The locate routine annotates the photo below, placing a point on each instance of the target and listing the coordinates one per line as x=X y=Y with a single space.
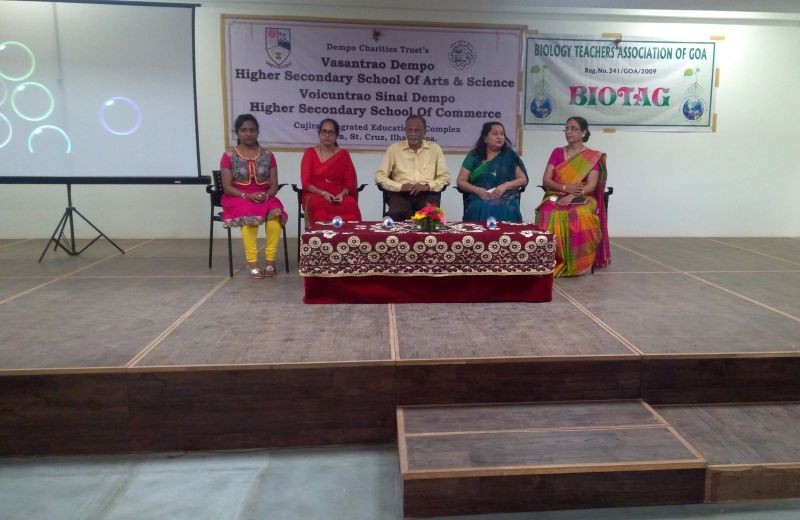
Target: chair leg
x=285 y=248
x=210 y=238
x=299 y=216
x=230 y=254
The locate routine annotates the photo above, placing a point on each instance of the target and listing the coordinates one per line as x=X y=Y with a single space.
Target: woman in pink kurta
x=329 y=179
x=249 y=183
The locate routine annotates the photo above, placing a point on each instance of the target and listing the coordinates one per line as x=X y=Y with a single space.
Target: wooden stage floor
x=153 y=351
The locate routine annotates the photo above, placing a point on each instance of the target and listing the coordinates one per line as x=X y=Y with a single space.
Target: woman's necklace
x=569 y=153
x=254 y=154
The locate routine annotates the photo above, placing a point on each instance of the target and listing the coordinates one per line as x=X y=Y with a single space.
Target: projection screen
x=97 y=93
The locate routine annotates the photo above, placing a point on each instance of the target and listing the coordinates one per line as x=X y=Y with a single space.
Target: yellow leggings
x=250 y=239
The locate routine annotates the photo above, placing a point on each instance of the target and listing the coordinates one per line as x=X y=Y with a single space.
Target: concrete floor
x=347 y=483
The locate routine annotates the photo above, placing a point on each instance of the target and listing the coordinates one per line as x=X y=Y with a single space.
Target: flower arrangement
x=429 y=218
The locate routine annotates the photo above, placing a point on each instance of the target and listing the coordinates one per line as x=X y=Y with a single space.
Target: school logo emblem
x=279 y=44
x=461 y=55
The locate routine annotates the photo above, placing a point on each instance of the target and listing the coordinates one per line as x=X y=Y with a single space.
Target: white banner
x=642 y=84
x=293 y=74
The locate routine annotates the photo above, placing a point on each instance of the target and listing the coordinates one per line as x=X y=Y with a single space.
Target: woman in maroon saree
x=329 y=179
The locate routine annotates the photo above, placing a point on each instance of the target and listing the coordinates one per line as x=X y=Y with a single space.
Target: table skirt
x=429 y=289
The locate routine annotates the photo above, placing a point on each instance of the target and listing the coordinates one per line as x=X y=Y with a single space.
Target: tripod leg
x=61 y=238
x=98 y=230
x=60 y=226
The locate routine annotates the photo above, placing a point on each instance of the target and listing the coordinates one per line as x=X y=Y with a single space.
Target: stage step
x=466 y=459
x=752 y=449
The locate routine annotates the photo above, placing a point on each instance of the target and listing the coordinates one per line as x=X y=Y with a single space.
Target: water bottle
x=491 y=223
x=388 y=223
x=337 y=221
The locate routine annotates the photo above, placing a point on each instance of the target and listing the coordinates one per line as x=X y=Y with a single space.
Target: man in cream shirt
x=413 y=172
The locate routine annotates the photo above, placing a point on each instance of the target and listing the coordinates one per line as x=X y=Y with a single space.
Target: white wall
x=739 y=181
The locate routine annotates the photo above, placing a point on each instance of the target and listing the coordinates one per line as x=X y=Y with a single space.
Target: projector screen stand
x=59 y=239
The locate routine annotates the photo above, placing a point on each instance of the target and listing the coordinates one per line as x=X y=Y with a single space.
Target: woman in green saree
x=491 y=177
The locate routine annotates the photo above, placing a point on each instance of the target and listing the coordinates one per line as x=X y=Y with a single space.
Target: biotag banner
x=636 y=83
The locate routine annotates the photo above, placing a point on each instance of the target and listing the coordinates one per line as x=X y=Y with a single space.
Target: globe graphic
x=693 y=108
x=541 y=106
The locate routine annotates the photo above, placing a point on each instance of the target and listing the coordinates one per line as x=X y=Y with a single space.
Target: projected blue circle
x=6 y=49
x=120 y=116
x=39 y=130
x=30 y=86
x=3 y=92
x=7 y=124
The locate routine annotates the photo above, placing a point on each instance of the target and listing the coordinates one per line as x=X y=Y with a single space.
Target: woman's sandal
x=257 y=272
x=269 y=271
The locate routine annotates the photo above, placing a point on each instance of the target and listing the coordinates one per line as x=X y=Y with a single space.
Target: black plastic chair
x=301 y=212
x=215 y=195
x=385 y=197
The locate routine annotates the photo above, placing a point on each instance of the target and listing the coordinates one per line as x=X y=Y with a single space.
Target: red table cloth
x=364 y=262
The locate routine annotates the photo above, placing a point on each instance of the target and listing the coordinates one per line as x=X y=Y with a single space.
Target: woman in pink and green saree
x=573 y=207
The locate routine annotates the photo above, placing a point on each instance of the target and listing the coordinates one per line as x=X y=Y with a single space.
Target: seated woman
x=491 y=176
x=329 y=178
x=249 y=183
x=573 y=207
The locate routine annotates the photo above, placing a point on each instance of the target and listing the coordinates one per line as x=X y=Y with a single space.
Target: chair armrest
x=281 y=185
x=361 y=188
x=296 y=188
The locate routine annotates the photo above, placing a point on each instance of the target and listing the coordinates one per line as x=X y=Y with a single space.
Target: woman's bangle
x=563 y=187
x=244 y=195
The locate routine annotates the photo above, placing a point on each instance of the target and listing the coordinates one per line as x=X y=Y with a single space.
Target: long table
x=364 y=262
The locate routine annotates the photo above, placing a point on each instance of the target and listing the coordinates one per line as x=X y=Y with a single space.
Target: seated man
x=413 y=172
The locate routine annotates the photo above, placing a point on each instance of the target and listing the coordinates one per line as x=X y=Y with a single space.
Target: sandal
x=257 y=272
x=269 y=271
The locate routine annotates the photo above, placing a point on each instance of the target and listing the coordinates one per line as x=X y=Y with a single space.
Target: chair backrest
x=385 y=198
x=299 y=191
x=385 y=194
x=465 y=194
x=215 y=191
